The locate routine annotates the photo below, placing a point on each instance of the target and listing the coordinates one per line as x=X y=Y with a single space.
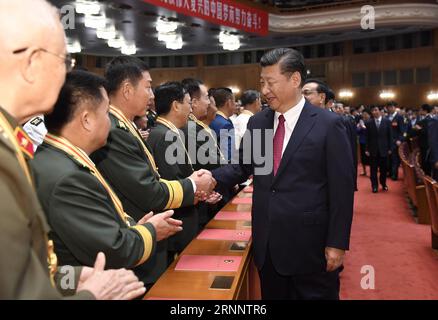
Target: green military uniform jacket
x=194 y=133
x=83 y=218
x=24 y=272
x=188 y=215
x=208 y=148
x=124 y=164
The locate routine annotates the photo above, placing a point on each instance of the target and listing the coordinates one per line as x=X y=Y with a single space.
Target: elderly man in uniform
x=32 y=71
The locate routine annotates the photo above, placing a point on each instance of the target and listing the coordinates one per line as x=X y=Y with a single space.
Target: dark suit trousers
x=378 y=163
x=394 y=162
x=317 y=286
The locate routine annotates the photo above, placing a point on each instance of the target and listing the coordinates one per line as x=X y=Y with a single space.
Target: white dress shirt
x=240 y=124
x=378 y=121
x=291 y=118
x=36 y=130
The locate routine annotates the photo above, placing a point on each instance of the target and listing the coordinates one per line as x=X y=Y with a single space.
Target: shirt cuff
x=193 y=184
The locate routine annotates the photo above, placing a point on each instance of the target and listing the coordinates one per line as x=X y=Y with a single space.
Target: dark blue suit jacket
x=379 y=141
x=308 y=205
x=226 y=140
x=433 y=146
x=398 y=128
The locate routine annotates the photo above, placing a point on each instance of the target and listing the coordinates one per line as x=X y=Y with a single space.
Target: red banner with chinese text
x=223 y=12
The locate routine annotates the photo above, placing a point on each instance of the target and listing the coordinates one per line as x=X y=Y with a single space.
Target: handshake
x=205 y=184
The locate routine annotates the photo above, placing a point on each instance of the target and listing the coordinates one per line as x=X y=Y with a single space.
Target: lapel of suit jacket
x=305 y=123
x=268 y=124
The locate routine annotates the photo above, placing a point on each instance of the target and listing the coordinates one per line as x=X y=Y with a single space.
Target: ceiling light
x=106 y=33
x=236 y=90
x=167 y=37
x=129 y=49
x=387 y=95
x=176 y=44
x=95 y=22
x=432 y=96
x=116 y=43
x=74 y=47
x=229 y=42
x=345 y=94
x=87 y=7
x=166 y=26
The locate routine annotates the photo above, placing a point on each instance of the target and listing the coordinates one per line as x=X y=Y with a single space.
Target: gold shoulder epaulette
x=122 y=125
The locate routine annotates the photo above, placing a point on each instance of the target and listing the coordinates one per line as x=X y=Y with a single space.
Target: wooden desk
x=196 y=284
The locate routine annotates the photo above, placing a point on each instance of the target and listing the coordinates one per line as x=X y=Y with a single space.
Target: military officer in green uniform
x=201 y=143
x=84 y=213
x=127 y=163
x=28 y=264
x=172 y=104
x=198 y=133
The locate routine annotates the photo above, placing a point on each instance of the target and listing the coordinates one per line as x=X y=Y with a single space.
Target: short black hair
x=249 y=96
x=330 y=95
x=193 y=87
x=322 y=86
x=221 y=96
x=391 y=104
x=376 y=106
x=426 y=107
x=166 y=94
x=79 y=86
x=290 y=61
x=124 y=68
x=211 y=92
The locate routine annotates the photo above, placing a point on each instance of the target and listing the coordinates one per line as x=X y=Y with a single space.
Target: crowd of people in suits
x=379 y=130
x=383 y=128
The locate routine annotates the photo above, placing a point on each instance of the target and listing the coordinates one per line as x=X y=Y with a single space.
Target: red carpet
x=386 y=236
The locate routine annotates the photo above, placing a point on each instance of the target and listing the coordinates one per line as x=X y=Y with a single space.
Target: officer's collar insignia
x=24 y=141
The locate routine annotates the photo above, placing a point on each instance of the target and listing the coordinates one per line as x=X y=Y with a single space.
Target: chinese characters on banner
x=223 y=12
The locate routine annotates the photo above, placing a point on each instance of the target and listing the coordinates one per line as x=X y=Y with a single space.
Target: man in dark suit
x=303 y=194
x=421 y=131
x=433 y=147
x=378 y=147
x=411 y=121
x=316 y=92
x=398 y=129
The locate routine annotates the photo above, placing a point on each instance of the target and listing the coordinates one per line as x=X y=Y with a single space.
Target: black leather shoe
x=385 y=188
x=374 y=190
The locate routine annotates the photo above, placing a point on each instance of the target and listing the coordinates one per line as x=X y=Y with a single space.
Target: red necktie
x=278 y=143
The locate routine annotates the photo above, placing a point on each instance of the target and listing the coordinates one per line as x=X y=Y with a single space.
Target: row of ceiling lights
x=387 y=95
x=104 y=30
x=167 y=31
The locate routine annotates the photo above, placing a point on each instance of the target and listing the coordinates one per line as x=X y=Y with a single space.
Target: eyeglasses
x=68 y=60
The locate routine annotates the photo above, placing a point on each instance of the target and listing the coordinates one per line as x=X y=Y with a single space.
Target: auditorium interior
x=379 y=61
